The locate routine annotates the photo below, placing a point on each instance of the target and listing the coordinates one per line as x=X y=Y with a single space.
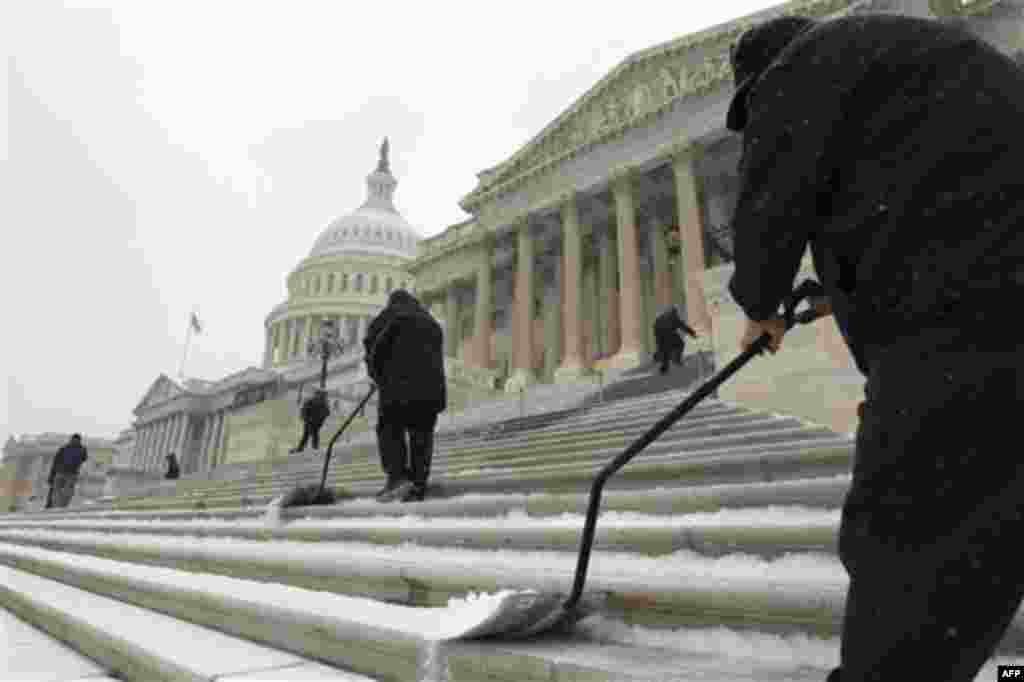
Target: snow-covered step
x=825 y=492
x=766 y=532
x=31 y=654
x=141 y=644
x=388 y=642
x=797 y=592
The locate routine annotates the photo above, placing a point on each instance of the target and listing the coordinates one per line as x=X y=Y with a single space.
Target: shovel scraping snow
x=524 y=613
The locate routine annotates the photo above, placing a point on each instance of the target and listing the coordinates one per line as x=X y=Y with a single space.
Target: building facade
x=620 y=206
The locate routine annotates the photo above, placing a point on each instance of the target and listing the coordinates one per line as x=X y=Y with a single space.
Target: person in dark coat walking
x=405 y=357
x=315 y=411
x=669 y=343
x=64 y=472
x=891 y=146
x=173 y=470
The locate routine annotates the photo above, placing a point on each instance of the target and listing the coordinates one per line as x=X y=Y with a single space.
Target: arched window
x=373 y=284
x=330 y=283
x=343 y=282
x=316 y=285
x=359 y=282
x=379 y=234
x=389 y=285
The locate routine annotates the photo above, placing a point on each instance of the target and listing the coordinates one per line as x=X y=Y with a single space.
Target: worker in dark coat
x=405 y=357
x=891 y=146
x=64 y=472
x=668 y=341
x=173 y=470
x=315 y=411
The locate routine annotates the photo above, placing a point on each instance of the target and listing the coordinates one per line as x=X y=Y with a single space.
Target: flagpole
x=188 y=339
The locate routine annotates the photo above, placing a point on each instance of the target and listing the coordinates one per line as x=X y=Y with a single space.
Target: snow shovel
x=313 y=494
x=525 y=613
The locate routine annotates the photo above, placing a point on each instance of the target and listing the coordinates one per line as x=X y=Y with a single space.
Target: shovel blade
x=522 y=614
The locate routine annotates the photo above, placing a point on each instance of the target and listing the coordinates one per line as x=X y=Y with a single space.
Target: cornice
x=644 y=86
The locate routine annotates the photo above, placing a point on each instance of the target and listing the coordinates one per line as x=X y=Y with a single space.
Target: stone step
x=768 y=533
x=795 y=594
x=821 y=493
x=31 y=654
x=658 y=466
x=312 y=463
x=390 y=643
x=140 y=644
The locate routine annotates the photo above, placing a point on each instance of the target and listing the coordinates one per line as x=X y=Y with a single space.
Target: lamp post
x=324 y=347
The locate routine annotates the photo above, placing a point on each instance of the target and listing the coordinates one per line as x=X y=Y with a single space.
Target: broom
x=304 y=495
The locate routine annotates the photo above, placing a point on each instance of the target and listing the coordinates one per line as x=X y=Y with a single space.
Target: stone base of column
x=567 y=374
x=519 y=379
x=627 y=359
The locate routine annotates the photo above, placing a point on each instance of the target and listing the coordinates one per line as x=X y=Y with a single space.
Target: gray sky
x=158 y=156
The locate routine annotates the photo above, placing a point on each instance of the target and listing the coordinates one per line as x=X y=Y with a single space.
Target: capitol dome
x=376 y=228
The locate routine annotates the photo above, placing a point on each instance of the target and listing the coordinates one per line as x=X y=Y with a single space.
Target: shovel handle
x=334 y=438
x=807 y=289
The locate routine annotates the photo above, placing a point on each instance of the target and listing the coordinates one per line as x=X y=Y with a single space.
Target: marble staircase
x=727 y=521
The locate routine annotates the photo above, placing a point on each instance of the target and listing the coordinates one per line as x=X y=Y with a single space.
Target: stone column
x=361 y=330
x=662 y=279
x=451 y=321
x=268 y=346
x=183 y=437
x=484 y=322
x=608 y=293
x=522 y=373
x=691 y=236
x=552 y=314
x=631 y=349
x=286 y=341
x=142 y=444
x=572 y=365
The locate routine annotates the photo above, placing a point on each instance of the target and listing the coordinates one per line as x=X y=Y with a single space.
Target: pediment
x=641 y=86
x=160 y=391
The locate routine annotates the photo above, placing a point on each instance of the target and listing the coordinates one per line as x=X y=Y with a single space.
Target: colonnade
x=608 y=279
x=154 y=440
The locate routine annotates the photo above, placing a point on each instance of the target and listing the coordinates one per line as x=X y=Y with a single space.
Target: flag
x=194 y=323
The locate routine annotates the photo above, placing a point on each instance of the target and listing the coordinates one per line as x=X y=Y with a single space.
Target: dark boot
x=421 y=453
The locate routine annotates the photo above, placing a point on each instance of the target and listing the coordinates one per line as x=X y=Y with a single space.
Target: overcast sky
x=163 y=155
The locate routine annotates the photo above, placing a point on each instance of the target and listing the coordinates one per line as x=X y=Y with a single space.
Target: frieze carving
x=643 y=86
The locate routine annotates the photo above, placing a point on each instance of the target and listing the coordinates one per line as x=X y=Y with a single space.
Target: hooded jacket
x=405 y=355
x=69 y=459
x=891 y=146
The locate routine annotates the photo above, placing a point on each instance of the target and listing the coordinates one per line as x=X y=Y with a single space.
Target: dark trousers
x=399 y=459
x=934 y=513
x=669 y=349
x=310 y=431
